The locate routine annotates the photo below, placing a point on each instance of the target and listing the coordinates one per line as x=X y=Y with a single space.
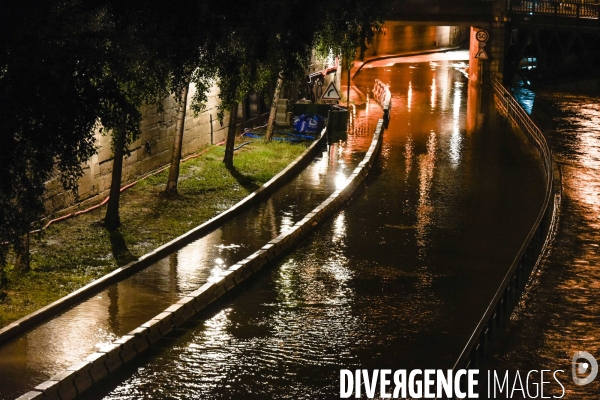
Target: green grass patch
x=72 y=253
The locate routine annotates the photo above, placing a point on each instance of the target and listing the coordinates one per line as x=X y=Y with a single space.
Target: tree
x=187 y=42
x=177 y=143
x=254 y=49
x=281 y=47
x=273 y=112
x=105 y=59
x=202 y=79
x=348 y=28
x=237 y=72
x=233 y=88
x=68 y=50
x=147 y=67
x=133 y=79
x=229 y=144
x=48 y=67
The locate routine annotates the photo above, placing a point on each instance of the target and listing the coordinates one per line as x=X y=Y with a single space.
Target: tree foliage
x=49 y=103
x=68 y=67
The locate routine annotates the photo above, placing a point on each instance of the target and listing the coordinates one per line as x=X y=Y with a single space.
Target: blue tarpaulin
x=309 y=123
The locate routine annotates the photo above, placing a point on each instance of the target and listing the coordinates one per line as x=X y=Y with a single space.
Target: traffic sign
x=331 y=93
x=482 y=36
x=481 y=54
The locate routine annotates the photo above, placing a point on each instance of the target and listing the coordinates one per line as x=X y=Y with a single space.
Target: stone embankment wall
x=158 y=130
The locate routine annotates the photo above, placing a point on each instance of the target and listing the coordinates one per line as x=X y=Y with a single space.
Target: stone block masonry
x=108 y=359
x=158 y=130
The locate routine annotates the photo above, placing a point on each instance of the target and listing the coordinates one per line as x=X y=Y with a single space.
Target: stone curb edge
x=73 y=381
x=31 y=320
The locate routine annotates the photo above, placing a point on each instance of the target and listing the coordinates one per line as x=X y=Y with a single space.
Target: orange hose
x=92 y=208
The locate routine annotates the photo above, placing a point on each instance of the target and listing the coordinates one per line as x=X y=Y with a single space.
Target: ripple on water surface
x=61 y=342
x=560 y=314
x=398 y=279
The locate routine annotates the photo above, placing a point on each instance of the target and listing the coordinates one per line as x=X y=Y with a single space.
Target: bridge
x=486 y=10
x=529 y=40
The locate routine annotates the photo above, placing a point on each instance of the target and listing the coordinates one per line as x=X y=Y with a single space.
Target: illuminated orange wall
x=474 y=63
x=396 y=37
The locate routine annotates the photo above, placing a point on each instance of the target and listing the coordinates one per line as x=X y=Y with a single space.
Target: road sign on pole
x=481 y=54
x=482 y=36
x=331 y=93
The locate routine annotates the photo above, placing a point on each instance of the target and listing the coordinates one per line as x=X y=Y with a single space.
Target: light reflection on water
x=67 y=339
x=397 y=280
x=424 y=208
x=433 y=93
x=409 y=96
x=409 y=156
x=456 y=137
x=308 y=301
x=526 y=98
x=561 y=311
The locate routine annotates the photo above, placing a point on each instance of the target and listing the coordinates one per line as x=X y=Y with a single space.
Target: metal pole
x=348 y=90
x=211 y=130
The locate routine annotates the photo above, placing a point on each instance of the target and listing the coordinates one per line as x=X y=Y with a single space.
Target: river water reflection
x=560 y=312
x=398 y=279
x=70 y=337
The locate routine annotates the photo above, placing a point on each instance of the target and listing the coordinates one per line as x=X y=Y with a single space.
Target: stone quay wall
x=158 y=130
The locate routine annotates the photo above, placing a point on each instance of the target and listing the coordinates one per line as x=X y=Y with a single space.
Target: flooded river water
x=61 y=342
x=560 y=312
x=397 y=279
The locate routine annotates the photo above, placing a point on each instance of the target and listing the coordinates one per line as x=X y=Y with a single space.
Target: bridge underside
x=399 y=37
x=454 y=20
x=442 y=12
x=536 y=41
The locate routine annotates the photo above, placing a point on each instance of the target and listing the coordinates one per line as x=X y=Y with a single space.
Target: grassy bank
x=73 y=253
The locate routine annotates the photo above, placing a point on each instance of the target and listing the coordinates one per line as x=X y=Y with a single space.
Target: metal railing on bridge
x=524 y=263
x=588 y=9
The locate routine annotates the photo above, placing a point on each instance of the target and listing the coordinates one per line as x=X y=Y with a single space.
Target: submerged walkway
x=398 y=279
x=57 y=344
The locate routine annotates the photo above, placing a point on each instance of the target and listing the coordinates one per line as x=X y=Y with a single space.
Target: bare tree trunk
x=244 y=112
x=22 y=259
x=112 y=219
x=273 y=112
x=229 y=145
x=177 y=143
